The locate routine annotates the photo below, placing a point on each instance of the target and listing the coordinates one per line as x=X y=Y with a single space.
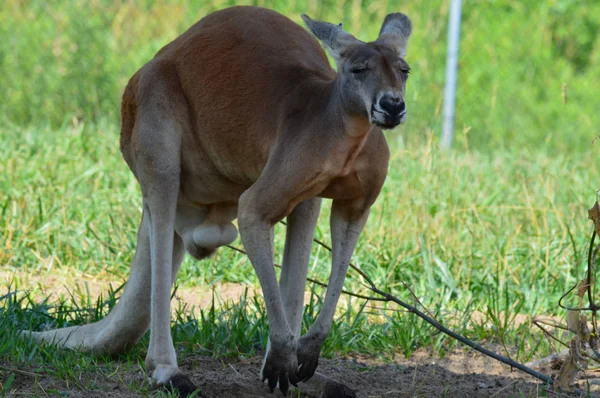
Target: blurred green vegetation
x=495 y=227
x=72 y=59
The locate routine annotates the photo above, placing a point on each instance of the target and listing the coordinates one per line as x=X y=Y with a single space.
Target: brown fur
x=243 y=117
x=227 y=76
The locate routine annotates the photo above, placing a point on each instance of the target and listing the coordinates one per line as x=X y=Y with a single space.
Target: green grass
x=470 y=232
x=488 y=231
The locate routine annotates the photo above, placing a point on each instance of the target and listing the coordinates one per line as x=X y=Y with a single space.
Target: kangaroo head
x=372 y=75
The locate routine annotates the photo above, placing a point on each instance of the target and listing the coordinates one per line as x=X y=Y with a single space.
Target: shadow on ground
x=240 y=378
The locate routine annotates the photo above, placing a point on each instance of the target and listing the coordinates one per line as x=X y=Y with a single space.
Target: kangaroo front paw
x=309 y=349
x=281 y=367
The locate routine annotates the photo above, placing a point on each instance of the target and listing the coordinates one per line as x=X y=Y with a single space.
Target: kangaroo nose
x=394 y=106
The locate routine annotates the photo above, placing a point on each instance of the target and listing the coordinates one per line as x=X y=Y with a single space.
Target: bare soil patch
x=461 y=373
x=241 y=379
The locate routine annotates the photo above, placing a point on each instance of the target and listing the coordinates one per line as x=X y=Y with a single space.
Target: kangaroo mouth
x=386 y=121
x=384 y=126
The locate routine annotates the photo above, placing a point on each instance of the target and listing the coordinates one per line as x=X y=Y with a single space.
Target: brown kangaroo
x=243 y=117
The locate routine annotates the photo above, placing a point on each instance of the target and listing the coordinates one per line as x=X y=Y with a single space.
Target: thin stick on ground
x=462 y=339
x=429 y=319
x=354 y=267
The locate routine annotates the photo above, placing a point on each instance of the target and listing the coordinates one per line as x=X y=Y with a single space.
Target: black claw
x=272 y=383
x=302 y=373
x=307 y=371
x=283 y=384
x=293 y=378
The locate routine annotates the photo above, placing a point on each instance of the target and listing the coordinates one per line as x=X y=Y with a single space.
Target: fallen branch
x=584 y=336
x=429 y=319
x=462 y=339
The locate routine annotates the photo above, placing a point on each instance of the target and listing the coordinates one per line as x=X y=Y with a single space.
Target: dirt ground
x=460 y=374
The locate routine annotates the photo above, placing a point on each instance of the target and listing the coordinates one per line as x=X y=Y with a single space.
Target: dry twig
x=581 y=348
x=429 y=319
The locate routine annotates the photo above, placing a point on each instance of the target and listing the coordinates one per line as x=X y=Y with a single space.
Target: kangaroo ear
x=395 y=31
x=335 y=39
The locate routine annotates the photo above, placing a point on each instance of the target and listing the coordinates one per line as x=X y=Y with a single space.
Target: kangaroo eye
x=405 y=71
x=358 y=70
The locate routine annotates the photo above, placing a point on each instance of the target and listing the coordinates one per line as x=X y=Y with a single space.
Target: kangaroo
x=243 y=117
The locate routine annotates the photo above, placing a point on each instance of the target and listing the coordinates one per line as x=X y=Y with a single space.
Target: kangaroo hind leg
x=130 y=318
x=161 y=123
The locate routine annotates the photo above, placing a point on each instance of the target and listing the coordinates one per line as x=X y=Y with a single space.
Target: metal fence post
x=451 y=73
